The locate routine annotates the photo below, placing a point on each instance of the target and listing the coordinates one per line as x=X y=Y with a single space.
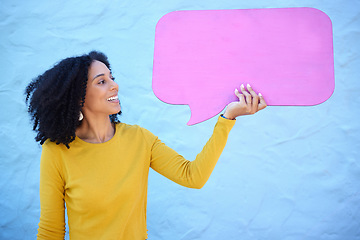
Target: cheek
x=94 y=97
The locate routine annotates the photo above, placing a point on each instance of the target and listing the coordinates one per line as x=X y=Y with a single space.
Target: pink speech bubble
x=200 y=57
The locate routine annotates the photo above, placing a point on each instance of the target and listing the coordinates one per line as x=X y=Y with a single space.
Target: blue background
x=287 y=173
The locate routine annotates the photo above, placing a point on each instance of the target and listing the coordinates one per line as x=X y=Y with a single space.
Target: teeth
x=113 y=98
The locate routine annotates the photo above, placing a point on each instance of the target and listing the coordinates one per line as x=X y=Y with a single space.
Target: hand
x=249 y=103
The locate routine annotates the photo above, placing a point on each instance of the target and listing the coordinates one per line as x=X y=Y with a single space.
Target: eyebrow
x=99 y=75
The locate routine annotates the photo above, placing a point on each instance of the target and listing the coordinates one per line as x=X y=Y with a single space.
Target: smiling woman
x=98 y=166
x=101 y=100
x=57 y=97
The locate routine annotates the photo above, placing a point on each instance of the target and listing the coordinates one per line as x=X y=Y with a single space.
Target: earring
x=81 y=116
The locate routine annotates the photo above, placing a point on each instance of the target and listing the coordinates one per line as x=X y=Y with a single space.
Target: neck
x=95 y=129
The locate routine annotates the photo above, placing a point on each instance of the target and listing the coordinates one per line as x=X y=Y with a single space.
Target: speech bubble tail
x=192 y=121
x=203 y=112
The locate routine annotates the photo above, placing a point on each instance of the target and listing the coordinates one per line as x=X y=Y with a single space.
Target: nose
x=114 y=86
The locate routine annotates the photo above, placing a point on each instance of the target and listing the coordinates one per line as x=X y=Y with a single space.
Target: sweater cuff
x=228 y=123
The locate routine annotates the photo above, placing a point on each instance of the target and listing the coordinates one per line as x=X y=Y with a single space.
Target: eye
x=101 y=82
x=112 y=78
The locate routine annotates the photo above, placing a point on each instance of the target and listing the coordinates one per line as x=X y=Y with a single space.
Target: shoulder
x=124 y=127
x=52 y=146
x=135 y=131
x=53 y=151
x=51 y=155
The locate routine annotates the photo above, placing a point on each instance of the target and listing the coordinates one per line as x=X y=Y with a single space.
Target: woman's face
x=101 y=92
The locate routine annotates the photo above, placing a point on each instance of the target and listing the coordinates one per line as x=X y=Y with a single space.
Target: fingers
x=247 y=95
x=255 y=100
x=262 y=103
x=240 y=96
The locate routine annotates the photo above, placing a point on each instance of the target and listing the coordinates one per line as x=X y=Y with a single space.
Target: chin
x=115 y=112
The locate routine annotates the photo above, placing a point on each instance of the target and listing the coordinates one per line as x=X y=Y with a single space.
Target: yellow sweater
x=105 y=185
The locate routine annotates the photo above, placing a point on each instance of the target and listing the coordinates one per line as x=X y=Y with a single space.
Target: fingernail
x=260 y=95
x=242 y=86
x=248 y=85
x=236 y=90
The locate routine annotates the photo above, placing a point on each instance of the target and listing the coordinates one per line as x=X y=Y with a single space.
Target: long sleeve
x=105 y=185
x=193 y=174
x=52 y=216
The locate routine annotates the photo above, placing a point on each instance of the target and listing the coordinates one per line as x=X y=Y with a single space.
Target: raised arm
x=195 y=173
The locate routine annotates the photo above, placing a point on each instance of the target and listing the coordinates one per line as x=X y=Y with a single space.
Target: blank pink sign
x=200 y=57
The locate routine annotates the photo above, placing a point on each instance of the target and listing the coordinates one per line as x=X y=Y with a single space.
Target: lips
x=113 y=98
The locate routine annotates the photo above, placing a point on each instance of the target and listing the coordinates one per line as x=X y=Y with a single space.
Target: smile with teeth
x=114 y=98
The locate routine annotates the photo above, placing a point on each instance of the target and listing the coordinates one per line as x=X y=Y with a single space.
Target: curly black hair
x=56 y=97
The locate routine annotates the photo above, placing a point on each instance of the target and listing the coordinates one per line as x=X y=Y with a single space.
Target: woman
x=99 y=166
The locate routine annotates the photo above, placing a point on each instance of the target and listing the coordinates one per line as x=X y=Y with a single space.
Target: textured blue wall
x=289 y=173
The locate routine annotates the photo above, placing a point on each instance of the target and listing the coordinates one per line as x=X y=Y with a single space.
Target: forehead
x=97 y=67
